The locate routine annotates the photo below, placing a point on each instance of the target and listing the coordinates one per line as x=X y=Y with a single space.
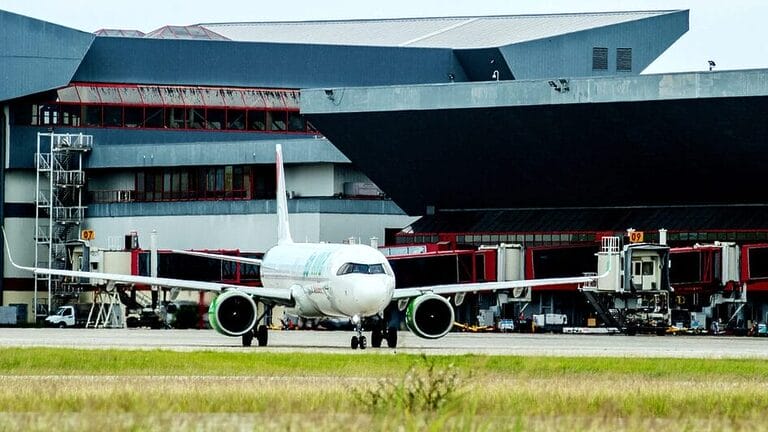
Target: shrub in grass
x=425 y=386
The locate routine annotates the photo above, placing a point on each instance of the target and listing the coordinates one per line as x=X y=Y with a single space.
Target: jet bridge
x=634 y=295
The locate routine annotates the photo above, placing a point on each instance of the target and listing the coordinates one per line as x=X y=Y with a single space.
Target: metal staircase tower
x=59 y=206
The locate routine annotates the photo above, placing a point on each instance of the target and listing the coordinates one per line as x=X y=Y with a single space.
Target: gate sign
x=87 y=234
x=636 y=236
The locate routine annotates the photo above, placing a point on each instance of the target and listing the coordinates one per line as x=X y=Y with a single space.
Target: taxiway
x=453 y=343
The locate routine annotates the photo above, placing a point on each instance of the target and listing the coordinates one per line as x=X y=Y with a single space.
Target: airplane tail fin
x=283 y=230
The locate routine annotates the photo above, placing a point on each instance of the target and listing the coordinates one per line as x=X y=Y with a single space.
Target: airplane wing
x=261 y=292
x=403 y=293
x=237 y=259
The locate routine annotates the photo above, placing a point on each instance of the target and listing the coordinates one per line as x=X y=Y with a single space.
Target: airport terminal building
x=537 y=130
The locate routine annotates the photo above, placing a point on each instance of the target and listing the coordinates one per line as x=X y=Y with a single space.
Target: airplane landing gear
x=392 y=337
x=382 y=333
x=358 y=341
x=260 y=332
x=248 y=338
x=262 y=336
x=376 y=337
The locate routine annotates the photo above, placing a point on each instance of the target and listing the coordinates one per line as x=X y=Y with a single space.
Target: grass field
x=58 y=389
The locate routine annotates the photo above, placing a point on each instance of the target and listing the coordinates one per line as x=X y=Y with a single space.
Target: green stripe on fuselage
x=315 y=264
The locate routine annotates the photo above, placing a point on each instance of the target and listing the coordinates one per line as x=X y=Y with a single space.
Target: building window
x=113 y=116
x=277 y=120
x=624 y=59
x=173 y=107
x=236 y=119
x=599 y=59
x=296 y=122
x=257 y=120
x=133 y=116
x=153 y=117
x=199 y=183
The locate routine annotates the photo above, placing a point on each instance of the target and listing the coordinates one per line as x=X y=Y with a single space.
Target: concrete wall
x=119 y=148
x=20 y=186
x=24 y=297
x=343 y=173
x=20 y=232
x=308 y=180
x=245 y=232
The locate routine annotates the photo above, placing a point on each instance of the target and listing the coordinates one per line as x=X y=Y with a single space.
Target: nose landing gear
x=358 y=341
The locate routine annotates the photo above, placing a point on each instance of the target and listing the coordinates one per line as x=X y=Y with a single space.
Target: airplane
x=319 y=280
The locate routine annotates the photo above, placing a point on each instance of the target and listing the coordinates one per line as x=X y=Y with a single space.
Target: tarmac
x=452 y=344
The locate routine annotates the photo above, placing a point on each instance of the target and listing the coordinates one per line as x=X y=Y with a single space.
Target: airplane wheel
x=355 y=342
x=363 y=342
x=376 y=338
x=262 y=336
x=392 y=337
x=248 y=338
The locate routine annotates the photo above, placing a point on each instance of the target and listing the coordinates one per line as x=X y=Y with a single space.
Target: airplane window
x=375 y=269
x=360 y=269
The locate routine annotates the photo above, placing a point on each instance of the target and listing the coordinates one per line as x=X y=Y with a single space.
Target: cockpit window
x=361 y=268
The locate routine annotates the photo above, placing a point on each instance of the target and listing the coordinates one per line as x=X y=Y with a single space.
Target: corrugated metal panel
x=363 y=32
x=452 y=32
x=37 y=56
x=500 y=31
x=216 y=63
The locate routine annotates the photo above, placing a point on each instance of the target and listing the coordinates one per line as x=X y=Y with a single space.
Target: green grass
x=57 y=361
x=42 y=388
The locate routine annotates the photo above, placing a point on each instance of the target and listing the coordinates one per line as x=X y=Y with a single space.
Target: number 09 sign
x=636 y=237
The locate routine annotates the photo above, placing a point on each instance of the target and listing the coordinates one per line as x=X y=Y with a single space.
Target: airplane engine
x=429 y=316
x=232 y=313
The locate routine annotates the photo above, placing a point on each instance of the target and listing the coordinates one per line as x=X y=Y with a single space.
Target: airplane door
x=649 y=275
x=637 y=274
x=644 y=274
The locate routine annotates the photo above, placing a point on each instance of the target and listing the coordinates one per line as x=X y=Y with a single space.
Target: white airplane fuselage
x=330 y=280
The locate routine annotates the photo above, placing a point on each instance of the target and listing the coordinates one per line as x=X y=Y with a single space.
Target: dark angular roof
x=701 y=218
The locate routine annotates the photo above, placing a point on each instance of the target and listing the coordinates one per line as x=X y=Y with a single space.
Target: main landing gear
x=379 y=334
x=260 y=332
x=358 y=340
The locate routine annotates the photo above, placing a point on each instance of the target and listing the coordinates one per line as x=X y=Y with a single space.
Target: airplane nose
x=373 y=297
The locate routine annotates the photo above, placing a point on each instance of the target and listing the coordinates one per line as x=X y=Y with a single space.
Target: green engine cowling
x=429 y=316
x=232 y=313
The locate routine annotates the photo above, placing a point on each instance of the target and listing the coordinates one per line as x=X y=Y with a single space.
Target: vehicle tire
x=248 y=338
x=661 y=331
x=363 y=342
x=262 y=335
x=354 y=342
x=376 y=337
x=392 y=337
x=62 y=325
